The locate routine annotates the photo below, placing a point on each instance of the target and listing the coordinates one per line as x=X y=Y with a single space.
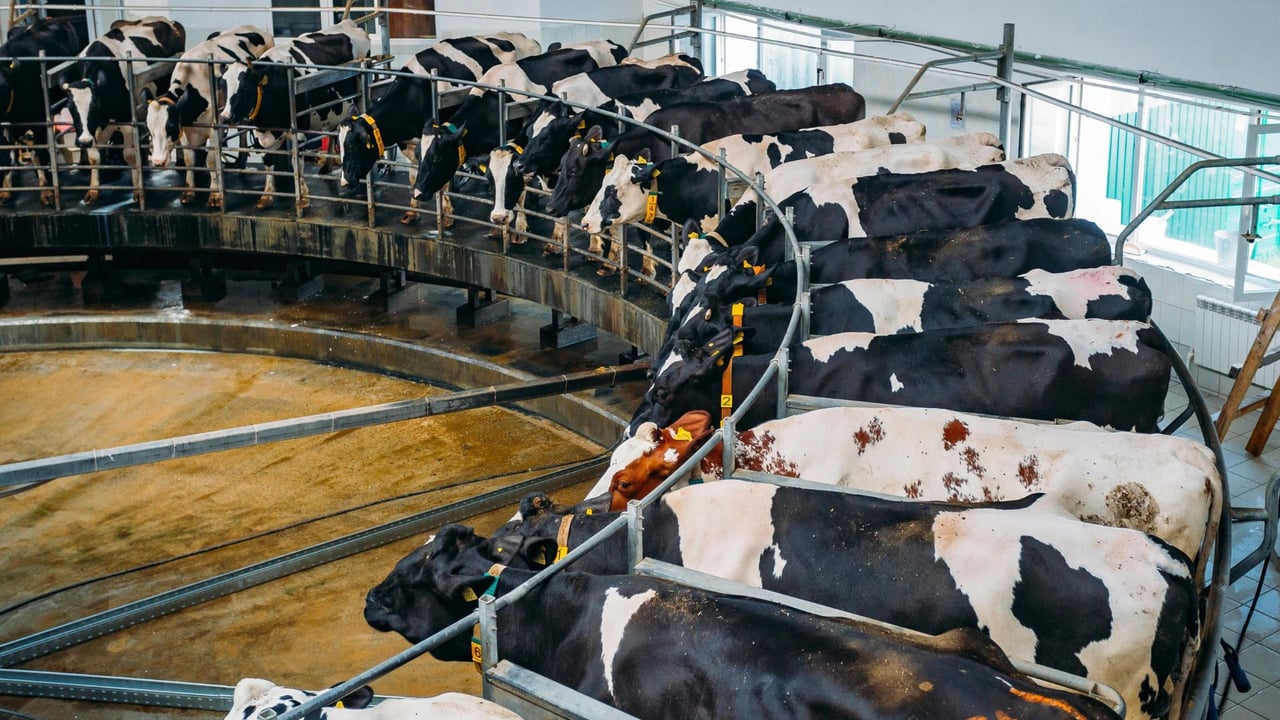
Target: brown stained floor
x=306 y=630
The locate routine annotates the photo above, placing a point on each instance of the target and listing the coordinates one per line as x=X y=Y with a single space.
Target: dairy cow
x=557 y=123
x=943 y=455
x=22 y=105
x=885 y=307
x=99 y=99
x=473 y=128
x=595 y=88
x=1104 y=371
x=888 y=204
x=687 y=187
x=182 y=117
x=582 y=168
x=396 y=117
x=511 y=199
x=257 y=94
x=624 y=640
x=1011 y=569
x=253 y=696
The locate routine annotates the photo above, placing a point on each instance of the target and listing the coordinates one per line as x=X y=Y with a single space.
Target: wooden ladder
x=1235 y=405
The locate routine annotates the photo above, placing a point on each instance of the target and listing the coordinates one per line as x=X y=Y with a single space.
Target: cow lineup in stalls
x=1005 y=380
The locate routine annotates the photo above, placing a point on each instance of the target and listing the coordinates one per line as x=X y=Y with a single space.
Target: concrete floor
x=306 y=630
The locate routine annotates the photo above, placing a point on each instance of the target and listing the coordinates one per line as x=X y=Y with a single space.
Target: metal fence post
x=759 y=188
x=502 y=113
x=806 y=315
x=722 y=186
x=677 y=239
x=788 y=252
x=51 y=133
x=136 y=171
x=728 y=427
x=217 y=184
x=488 y=633
x=635 y=534
x=371 y=214
x=1004 y=69
x=784 y=385
x=292 y=136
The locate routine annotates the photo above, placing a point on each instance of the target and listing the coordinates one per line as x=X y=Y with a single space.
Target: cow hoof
x=5 y=198
x=266 y=202
x=215 y=201
x=187 y=198
x=519 y=239
x=494 y=233
x=90 y=197
x=605 y=271
x=409 y=218
x=46 y=197
x=550 y=249
x=448 y=222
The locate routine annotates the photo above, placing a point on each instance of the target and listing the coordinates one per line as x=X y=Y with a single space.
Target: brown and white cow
x=1162 y=485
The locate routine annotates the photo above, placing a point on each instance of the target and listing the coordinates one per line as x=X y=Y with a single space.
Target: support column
x=634 y=355
x=204 y=282
x=4 y=289
x=299 y=283
x=564 y=332
x=481 y=308
x=101 y=282
x=395 y=293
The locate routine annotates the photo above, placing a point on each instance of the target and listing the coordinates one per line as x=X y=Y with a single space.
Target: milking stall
x=638 y=359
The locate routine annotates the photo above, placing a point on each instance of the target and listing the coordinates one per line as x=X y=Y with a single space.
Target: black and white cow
x=396 y=118
x=99 y=99
x=557 y=123
x=687 y=187
x=183 y=116
x=948 y=456
x=658 y=650
x=886 y=307
x=1107 y=372
x=889 y=204
x=253 y=695
x=511 y=197
x=1112 y=604
x=473 y=128
x=22 y=106
x=583 y=167
x=257 y=94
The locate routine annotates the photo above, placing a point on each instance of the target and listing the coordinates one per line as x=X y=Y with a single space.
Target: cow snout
x=160 y=162
x=342 y=182
x=85 y=141
x=417 y=194
x=224 y=117
x=592 y=225
x=500 y=217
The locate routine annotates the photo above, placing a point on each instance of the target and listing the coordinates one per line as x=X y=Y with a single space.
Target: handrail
x=1158 y=202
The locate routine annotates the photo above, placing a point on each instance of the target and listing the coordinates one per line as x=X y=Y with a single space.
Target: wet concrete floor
x=191 y=518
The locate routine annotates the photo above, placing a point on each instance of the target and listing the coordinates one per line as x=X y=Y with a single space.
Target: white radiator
x=1224 y=333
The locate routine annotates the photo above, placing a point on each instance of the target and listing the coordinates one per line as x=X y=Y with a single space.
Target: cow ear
x=642 y=157
x=358 y=699
x=534 y=504
x=539 y=552
x=745 y=254
x=650 y=433
x=594 y=135
x=690 y=428
x=251 y=689
x=147 y=95
x=692 y=229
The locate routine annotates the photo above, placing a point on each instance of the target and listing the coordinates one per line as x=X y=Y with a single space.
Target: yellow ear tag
x=693 y=235
x=589 y=511
x=650 y=207
x=263 y=81
x=682 y=434
x=338 y=705
x=582 y=124
x=561 y=552
x=541 y=559
x=468 y=594
x=737 y=338
x=484 y=168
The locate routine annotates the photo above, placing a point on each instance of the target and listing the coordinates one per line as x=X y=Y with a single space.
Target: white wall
x=1223 y=42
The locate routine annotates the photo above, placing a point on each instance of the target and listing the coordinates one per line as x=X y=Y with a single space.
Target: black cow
x=916 y=564
x=257 y=93
x=22 y=106
x=659 y=650
x=99 y=99
x=561 y=123
x=473 y=128
x=583 y=167
x=889 y=204
x=396 y=117
x=1108 y=372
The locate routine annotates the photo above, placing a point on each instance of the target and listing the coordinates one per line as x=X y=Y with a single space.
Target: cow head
x=248 y=84
x=623 y=195
x=508 y=183
x=252 y=695
x=358 y=147
x=549 y=131
x=431 y=588
x=473 y=178
x=643 y=461
x=581 y=170
x=85 y=104
x=687 y=378
x=442 y=153
x=164 y=123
